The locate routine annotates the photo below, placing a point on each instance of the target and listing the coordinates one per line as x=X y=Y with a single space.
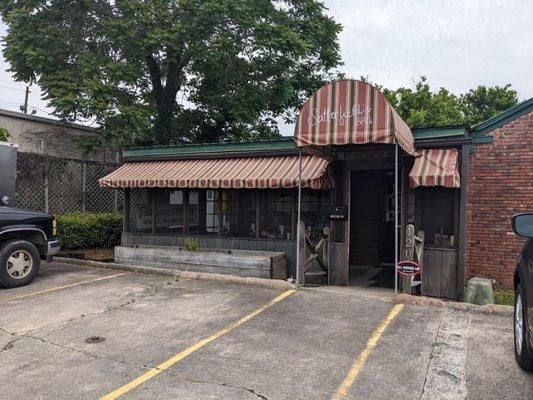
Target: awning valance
x=436 y=167
x=351 y=112
x=236 y=173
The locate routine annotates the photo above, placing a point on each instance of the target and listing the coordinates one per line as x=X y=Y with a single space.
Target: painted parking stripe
x=55 y=289
x=188 y=351
x=370 y=345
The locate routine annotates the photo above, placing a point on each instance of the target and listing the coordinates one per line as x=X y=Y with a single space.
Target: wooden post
x=185 y=223
x=327 y=252
x=152 y=196
x=126 y=217
x=461 y=262
x=408 y=255
x=257 y=212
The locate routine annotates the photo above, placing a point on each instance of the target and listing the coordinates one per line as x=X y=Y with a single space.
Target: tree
x=421 y=108
x=484 y=102
x=235 y=65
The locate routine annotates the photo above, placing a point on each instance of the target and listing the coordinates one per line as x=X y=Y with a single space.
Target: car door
x=527 y=259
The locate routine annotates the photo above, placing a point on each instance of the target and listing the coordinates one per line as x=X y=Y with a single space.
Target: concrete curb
x=268 y=283
x=494 y=309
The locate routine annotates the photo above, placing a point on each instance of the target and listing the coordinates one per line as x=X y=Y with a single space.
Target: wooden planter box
x=245 y=263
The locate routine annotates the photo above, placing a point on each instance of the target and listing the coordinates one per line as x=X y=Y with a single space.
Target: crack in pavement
x=262 y=397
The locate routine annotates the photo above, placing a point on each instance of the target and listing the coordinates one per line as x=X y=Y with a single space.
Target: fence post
x=83 y=185
x=115 y=204
x=46 y=202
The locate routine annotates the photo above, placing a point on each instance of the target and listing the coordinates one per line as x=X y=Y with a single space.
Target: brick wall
x=500 y=185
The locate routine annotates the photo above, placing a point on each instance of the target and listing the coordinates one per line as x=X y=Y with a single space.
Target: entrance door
x=372 y=218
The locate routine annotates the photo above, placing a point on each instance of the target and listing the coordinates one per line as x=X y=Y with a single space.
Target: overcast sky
x=456 y=44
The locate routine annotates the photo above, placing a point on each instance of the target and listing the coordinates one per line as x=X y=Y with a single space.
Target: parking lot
x=185 y=339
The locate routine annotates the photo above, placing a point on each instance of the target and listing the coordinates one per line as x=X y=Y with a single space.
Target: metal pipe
x=395 y=219
x=298 y=232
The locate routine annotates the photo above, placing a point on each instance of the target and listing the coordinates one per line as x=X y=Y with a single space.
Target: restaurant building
x=354 y=174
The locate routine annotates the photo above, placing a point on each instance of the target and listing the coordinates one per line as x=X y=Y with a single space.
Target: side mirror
x=523 y=224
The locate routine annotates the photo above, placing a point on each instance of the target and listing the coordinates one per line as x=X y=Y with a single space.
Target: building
x=47 y=136
x=361 y=171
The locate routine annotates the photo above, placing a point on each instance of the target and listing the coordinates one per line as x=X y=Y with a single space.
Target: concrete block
x=479 y=291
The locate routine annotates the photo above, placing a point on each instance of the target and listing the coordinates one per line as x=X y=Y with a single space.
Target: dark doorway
x=372 y=228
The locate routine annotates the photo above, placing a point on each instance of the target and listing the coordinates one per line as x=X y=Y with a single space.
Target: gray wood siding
x=439 y=273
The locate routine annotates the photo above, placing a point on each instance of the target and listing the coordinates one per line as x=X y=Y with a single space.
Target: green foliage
x=191 y=244
x=83 y=230
x=504 y=297
x=234 y=65
x=421 y=108
x=4 y=135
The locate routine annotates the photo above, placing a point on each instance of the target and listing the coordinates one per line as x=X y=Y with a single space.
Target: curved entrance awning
x=351 y=112
x=224 y=173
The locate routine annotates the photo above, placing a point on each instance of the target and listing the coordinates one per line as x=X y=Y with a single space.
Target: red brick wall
x=500 y=185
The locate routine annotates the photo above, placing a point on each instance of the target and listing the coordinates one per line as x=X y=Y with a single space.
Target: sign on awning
x=351 y=112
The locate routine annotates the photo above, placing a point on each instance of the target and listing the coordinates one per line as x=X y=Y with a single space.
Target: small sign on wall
x=338 y=213
x=408 y=268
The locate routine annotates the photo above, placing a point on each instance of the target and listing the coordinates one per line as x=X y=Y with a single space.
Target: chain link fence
x=61 y=185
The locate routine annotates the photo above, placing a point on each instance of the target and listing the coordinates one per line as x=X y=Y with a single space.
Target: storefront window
x=315 y=204
x=276 y=214
x=169 y=211
x=140 y=211
x=238 y=213
x=202 y=214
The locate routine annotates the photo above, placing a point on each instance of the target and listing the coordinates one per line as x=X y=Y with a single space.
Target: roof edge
x=503 y=118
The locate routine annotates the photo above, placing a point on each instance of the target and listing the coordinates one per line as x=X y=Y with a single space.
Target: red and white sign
x=408 y=268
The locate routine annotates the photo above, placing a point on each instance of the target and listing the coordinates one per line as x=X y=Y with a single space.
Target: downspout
x=298 y=232
x=395 y=219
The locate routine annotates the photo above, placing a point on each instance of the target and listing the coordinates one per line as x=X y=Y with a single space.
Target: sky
x=455 y=44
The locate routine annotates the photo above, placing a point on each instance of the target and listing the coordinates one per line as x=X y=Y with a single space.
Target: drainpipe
x=298 y=233
x=395 y=219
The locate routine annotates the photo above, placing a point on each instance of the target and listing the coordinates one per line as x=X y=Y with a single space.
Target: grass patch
x=504 y=297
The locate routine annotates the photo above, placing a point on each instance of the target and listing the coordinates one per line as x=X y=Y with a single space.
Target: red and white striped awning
x=436 y=167
x=224 y=173
x=351 y=112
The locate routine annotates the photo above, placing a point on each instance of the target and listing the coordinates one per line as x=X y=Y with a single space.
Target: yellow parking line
x=188 y=351
x=372 y=342
x=23 y=296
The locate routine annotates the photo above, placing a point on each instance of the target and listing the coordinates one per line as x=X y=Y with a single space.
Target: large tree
x=169 y=71
x=420 y=107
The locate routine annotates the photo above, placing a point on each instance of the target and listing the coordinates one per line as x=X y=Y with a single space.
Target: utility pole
x=24 y=108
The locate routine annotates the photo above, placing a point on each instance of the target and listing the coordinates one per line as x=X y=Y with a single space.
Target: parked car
x=25 y=238
x=523 y=283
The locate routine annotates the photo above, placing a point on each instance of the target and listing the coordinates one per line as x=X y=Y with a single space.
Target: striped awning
x=436 y=167
x=225 y=173
x=351 y=112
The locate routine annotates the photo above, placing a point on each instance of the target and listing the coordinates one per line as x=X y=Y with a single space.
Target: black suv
x=523 y=283
x=25 y=238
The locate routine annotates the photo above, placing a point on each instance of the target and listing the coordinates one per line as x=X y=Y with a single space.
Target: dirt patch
x=94 y=254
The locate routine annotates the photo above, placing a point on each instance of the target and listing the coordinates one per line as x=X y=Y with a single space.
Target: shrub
x=82 y=230
x=191 y=244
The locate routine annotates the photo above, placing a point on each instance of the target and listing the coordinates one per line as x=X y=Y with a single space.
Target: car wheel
x=19 y=263
x=521 y=343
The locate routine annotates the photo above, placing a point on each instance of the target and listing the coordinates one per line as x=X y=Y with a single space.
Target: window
x=140 y=211
x=276 y=214
x=169 y=211
x=315 y=204
x=238 y=213
x=437 y=216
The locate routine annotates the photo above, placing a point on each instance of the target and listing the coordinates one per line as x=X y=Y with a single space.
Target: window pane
x=276 y=214
x=140 y=215
x=203 y=213
x=169 y=211
x=238 y=213
x=437 y=216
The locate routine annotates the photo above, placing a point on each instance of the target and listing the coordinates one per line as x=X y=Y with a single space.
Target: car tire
x=522 y=350
x=19 y=263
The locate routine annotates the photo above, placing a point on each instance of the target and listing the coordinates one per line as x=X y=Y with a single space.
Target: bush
x=191 y=244
x=82 y=230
